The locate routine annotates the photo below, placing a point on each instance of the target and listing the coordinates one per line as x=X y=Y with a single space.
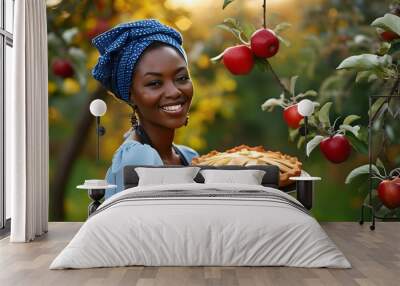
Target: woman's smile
x=176 y=109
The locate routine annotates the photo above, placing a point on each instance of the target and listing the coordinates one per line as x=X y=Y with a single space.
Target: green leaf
x=225 y=27
x=248 y=30
x=232 y=22
x=350 y=119
x=283 y=40
x=261 y=64
x=380 y=105
x=235 y=31
x=323 y=114
x=352 y=129
x=358 y=144
x=363 y=134
x=372 y=77
x=310 y=93
x=397 y=212
x=316 y=104
x=362 y=170
x=293 y=133
x=361 y=76
x=300 y=142
x=292 y=85
x=384 y=48
x=394 y=47
x=389 y=22
x=381 y=210
x=68 y=35
x=313 y=143
x=226 y=3
x=332 y=86
x=312 y=121
x=390 y=132
x=271 y=103
x=306 y=94
x=379 y=163
x=394 y=108
x=78 y=55
x=375 y=201
x=368 y=76
x=281 y=27
x=365 y=62
x=54 y=41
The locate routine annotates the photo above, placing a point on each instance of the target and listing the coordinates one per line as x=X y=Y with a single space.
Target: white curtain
x=27 y=143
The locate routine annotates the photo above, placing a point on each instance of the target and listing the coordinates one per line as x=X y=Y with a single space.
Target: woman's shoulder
x=188 y=152
x=132 y=152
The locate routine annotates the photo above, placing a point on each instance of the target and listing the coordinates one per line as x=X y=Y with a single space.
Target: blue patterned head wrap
x=121 y=47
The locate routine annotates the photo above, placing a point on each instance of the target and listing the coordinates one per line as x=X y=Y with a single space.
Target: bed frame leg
x=96 y=195
x=305 y=193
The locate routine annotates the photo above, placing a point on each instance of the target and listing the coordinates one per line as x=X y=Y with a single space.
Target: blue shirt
x=133 y=152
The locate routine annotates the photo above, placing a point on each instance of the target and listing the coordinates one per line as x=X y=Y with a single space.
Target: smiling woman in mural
x=143 y=64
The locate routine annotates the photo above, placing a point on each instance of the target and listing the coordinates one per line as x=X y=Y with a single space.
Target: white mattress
x=189 y=231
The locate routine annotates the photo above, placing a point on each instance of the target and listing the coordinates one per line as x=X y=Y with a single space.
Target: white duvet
x=183 y=231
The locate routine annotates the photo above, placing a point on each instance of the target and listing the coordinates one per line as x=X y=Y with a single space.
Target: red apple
x=238 y=59
x=389 y=193
x=336 y=148
x=292 y=116
x=264 y=43
x=62 y=68
x=388 y=36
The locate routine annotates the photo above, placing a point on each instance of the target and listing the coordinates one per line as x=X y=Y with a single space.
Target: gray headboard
x=270 y=179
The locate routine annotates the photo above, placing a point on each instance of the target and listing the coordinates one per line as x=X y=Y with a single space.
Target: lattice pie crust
x=244 y=155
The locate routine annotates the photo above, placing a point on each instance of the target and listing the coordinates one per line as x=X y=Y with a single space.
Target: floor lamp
x=98 y=108
x=96 y=188
x=305 y=184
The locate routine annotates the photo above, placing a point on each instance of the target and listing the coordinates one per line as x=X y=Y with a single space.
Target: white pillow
x=249 y=177
x=162 y=176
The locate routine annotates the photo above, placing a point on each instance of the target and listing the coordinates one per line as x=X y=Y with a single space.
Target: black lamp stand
x=100 y=131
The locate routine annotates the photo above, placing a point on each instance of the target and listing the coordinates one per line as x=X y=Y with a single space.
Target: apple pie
x=244 y=155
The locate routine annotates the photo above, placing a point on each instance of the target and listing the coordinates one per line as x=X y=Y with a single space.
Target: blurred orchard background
x=226 y=109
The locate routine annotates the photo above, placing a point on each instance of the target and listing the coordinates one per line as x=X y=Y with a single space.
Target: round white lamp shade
x=98 y=107
x=305 y=107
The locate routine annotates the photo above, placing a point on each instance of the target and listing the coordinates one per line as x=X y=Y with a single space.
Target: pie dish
x=244 y=155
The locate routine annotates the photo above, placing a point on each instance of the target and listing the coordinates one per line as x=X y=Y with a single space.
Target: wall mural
x=290 y=86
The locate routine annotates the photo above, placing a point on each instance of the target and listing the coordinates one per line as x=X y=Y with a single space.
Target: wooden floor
x=375 y=257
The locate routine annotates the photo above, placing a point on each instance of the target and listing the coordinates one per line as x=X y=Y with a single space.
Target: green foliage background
x=226 y=111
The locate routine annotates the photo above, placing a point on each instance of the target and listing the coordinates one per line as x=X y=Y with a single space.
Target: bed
x=201 y=224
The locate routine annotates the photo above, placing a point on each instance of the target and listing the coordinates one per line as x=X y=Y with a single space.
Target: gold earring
x=187 y=120
x=134 y=120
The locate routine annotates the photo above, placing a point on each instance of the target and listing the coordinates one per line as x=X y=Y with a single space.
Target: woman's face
x=162 y=89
